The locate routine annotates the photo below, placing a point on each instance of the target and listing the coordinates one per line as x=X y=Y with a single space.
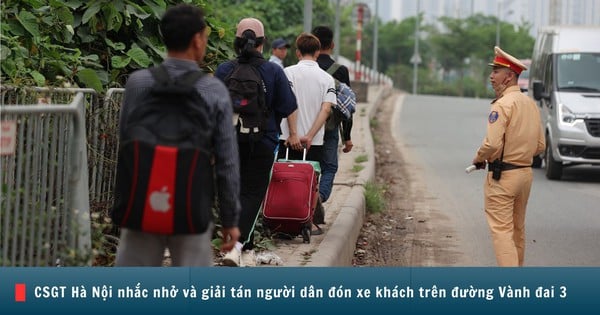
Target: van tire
x=553 y=168
x=537 y=162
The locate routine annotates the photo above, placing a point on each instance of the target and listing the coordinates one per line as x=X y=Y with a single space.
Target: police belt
x=507 y=166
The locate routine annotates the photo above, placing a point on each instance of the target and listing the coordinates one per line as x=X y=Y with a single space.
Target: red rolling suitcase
x=291 y=197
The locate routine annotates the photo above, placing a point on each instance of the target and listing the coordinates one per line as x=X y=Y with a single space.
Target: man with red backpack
x=175 y=131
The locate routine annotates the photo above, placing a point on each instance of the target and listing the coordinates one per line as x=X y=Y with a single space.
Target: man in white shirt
x=279 y=49
x=315 y=93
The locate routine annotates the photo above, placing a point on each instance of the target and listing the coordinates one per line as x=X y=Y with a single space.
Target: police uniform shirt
x=514 y=122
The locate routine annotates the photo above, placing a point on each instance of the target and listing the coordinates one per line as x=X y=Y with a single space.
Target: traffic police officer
x=514 y=136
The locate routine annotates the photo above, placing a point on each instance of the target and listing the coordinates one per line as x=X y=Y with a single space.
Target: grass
x=374 y=197
x=361 y=158
x=357 y=168
x=374 y=123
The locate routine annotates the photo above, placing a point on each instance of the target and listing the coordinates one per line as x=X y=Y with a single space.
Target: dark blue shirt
x=279 y=96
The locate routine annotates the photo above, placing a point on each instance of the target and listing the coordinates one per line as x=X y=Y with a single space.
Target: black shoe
x=318 y=231
x=319 y=216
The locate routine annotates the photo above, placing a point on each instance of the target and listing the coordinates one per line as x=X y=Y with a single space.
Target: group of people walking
x=297 y=114
x=298 y=101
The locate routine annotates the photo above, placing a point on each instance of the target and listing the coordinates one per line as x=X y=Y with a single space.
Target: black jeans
x=256 y=161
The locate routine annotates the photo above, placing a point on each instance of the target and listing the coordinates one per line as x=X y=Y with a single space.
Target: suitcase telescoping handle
x=287 y=151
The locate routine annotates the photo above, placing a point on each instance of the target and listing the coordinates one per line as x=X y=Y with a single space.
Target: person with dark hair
x=315 y=92
x=256 y=158
x=185 y=35
x=279 y=49
x=335 y=125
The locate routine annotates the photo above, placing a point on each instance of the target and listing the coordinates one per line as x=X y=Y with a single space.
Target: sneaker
x=249 y=258
x=232 y=258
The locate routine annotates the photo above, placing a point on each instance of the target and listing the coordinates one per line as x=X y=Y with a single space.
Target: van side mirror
x=538 y=91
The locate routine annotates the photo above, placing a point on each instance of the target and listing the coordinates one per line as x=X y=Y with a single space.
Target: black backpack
x=164 y=181
x=247 y=90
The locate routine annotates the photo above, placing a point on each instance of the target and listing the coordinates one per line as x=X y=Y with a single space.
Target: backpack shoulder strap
x=190 y=78
x=160 y=74
x=333 y=68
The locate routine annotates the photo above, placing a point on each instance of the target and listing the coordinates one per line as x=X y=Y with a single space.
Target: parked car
x=565 y=82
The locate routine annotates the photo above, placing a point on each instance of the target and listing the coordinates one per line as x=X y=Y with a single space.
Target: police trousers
x=505 y=205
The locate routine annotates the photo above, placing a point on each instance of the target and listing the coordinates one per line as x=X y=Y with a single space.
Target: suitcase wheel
x=306 y=235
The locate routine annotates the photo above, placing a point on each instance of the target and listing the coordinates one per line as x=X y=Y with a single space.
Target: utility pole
x=308 y=7
x=416 y=59
x=376 y=37
x=336 y=32
x=360 y=15
x=498 y=23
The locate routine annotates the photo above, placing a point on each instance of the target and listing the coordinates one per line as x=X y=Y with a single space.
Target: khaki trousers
x=505 y=204
x=137 y=249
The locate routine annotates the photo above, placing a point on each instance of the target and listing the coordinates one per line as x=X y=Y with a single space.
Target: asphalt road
x=440 y=136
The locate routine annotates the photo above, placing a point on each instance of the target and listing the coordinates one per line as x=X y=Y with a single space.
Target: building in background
x=539 y=13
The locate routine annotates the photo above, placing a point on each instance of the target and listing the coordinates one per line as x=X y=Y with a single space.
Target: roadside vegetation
x=98 y=43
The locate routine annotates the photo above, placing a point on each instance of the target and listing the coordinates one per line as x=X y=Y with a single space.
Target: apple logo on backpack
x=159 y=200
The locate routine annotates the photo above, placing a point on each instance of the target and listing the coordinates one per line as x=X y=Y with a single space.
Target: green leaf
x=14 y=28
x=29 y=22
x=84 y=34
x=139 y=56
x=119 y=61
x=39 y=79
x=137 y=11
x=90 y=12
x=91 y=58
x=73 y=4
x=158 y=7
x=4 y=52
x=113 y=18
x=64 y=15
x=90 y=79
x=116 y=46
x=48 y=20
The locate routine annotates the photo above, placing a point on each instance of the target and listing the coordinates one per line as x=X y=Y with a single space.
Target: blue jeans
x=329 y=162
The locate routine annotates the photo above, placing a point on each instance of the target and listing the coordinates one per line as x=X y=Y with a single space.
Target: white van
x=565 y=81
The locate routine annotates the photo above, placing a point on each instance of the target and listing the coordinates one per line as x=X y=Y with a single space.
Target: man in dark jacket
x=256 y=159
x=334 y=126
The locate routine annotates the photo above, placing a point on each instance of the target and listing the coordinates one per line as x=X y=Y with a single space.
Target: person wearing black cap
x=279 y=48
x=514 y=136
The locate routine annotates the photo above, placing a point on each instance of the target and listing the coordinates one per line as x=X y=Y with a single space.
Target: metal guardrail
x=101 y=119
x=44 y=200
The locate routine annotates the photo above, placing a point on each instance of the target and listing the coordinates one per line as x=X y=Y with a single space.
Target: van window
x=578 y=72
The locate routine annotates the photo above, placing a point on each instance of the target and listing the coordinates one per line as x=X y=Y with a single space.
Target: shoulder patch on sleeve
x=493 y=117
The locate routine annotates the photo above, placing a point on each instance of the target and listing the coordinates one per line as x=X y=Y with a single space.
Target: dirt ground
x=402 y=234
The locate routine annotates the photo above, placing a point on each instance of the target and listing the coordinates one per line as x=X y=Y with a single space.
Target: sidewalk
x=345 y=209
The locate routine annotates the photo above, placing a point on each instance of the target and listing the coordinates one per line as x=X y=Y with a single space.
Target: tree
x=97 y=43
x=467 y=45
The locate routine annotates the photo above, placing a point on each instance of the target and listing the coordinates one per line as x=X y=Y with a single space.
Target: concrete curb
x=337 y=248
